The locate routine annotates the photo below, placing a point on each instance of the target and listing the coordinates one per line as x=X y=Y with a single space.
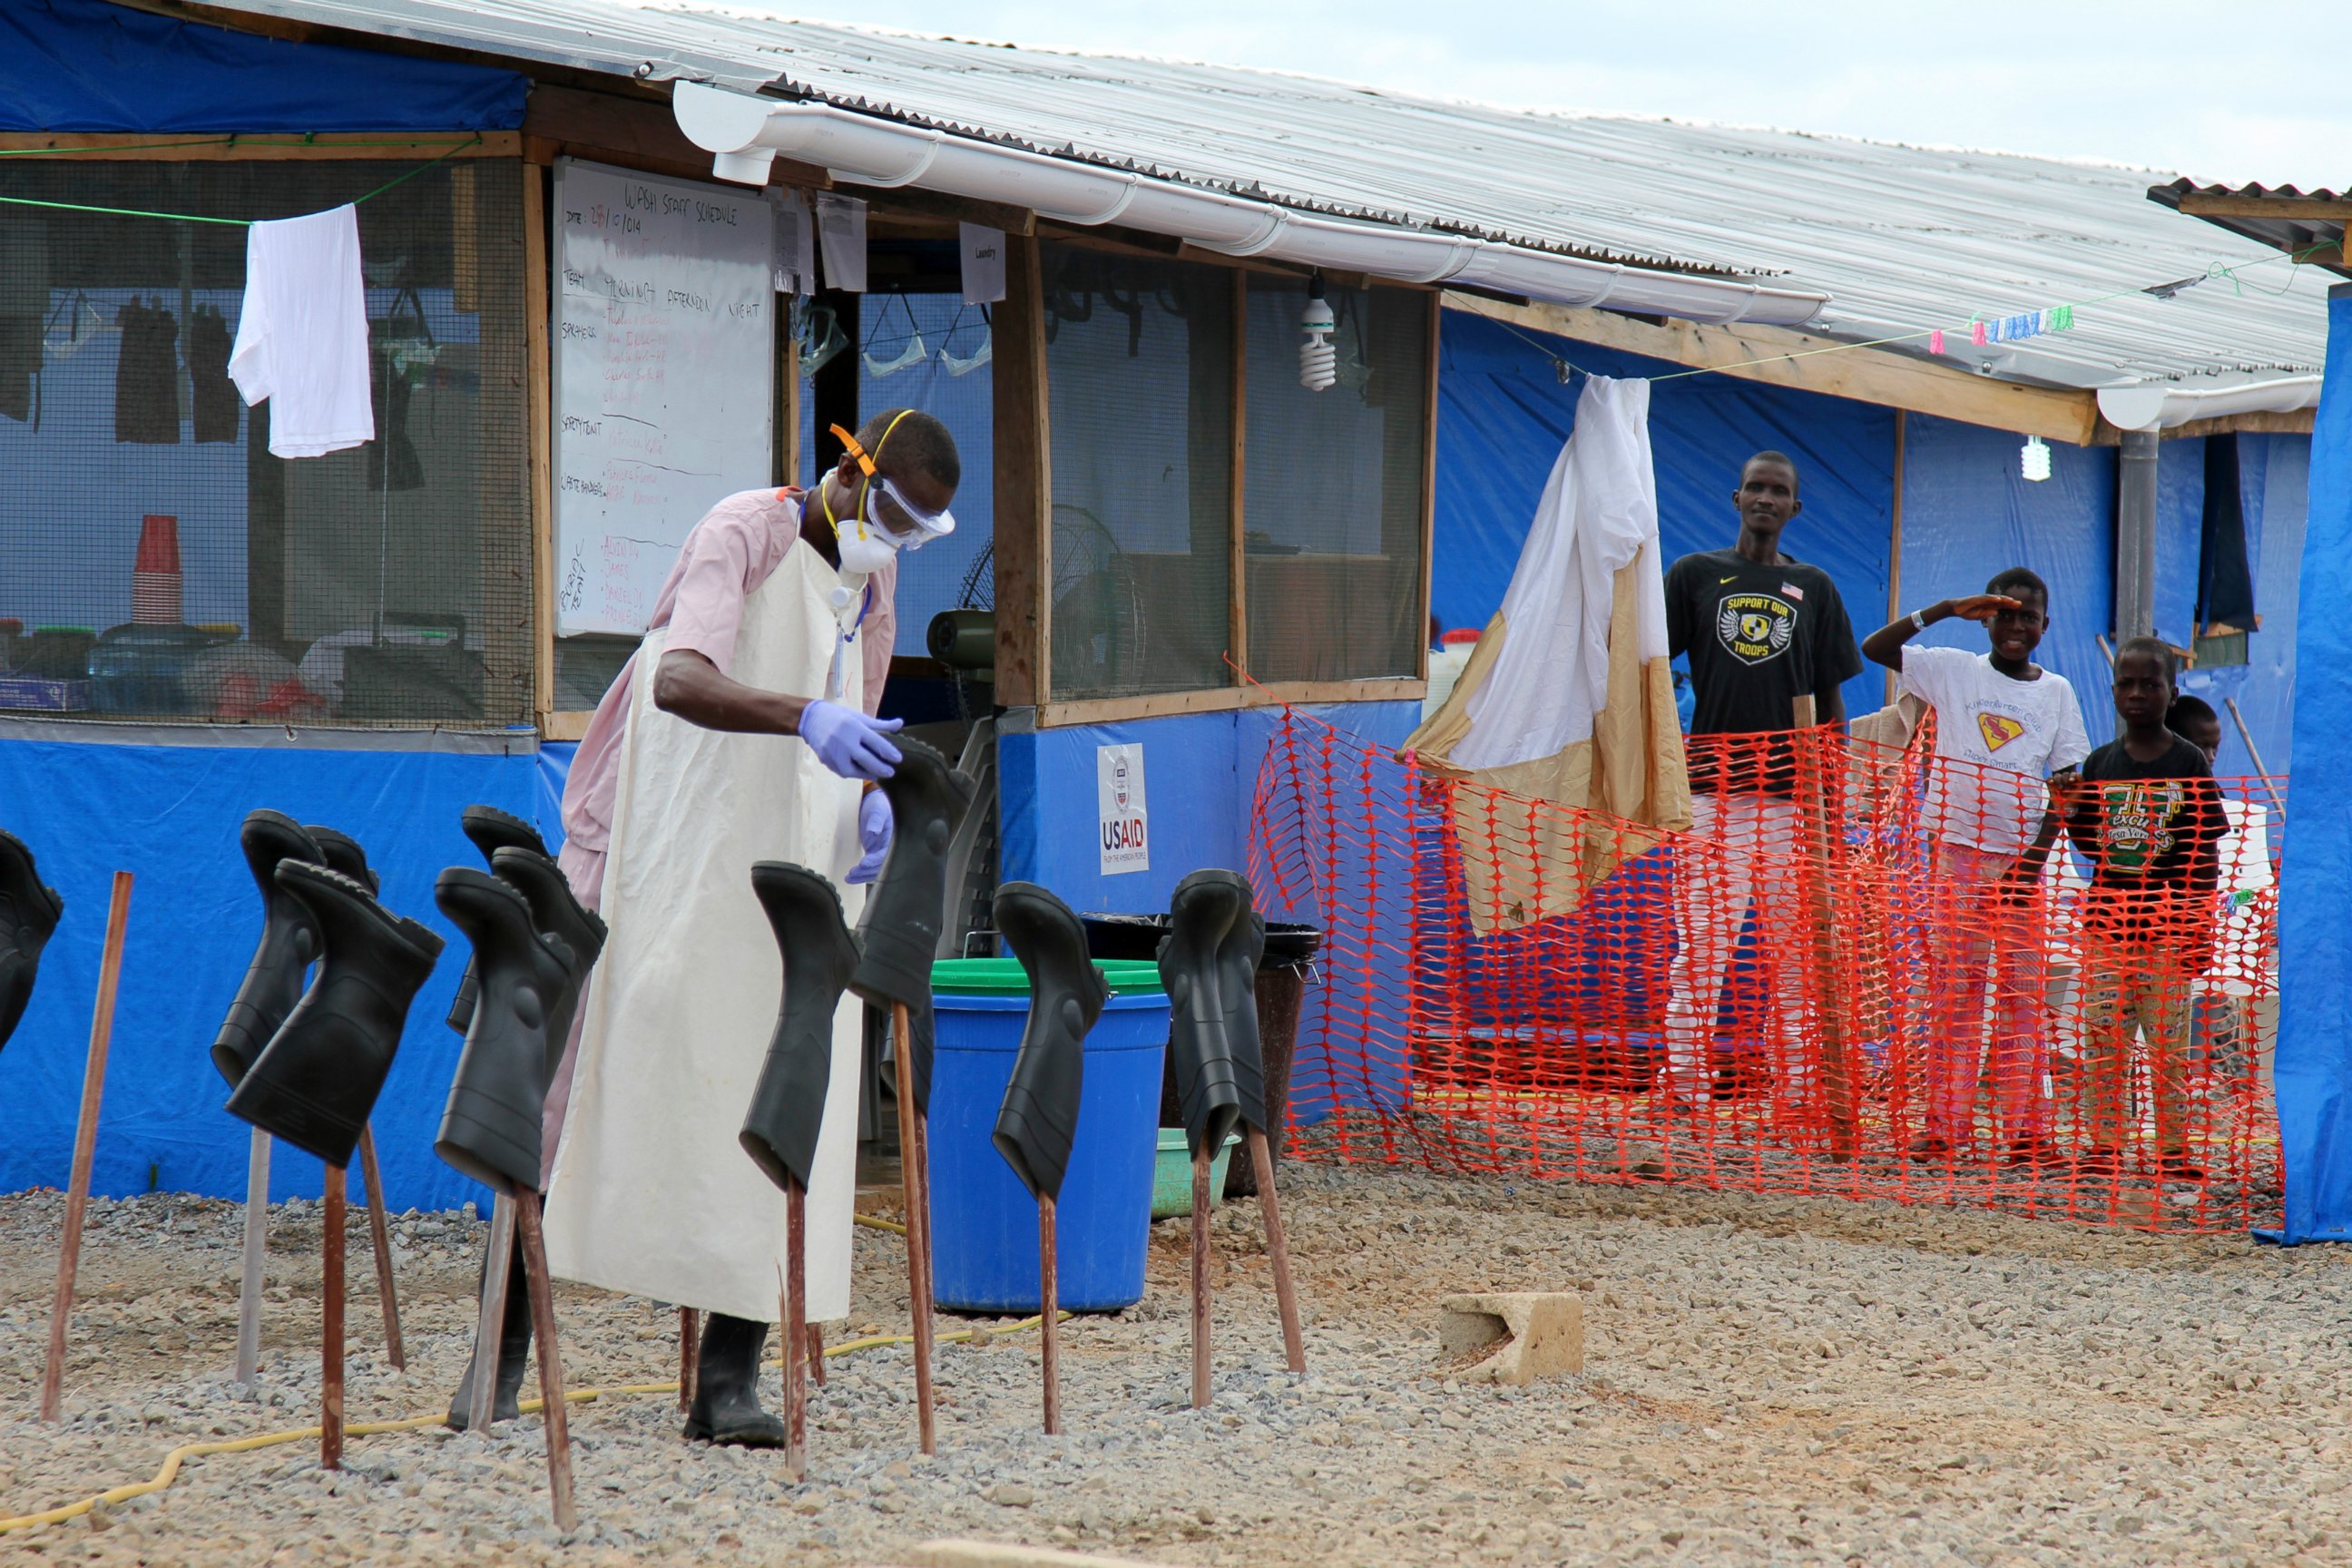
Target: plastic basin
x=983 y=1222
x=1172 y=1173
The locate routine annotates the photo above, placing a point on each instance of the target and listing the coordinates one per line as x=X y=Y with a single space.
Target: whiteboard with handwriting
x=664 y=365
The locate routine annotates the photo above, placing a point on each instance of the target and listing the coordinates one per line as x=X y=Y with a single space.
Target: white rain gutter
x=747 y=133
x=2159 y=407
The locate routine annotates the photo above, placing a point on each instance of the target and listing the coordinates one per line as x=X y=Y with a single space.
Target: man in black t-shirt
x=2144 y=811
x=1761 y=630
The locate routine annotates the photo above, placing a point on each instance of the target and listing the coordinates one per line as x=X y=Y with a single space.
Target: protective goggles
x=910 y=525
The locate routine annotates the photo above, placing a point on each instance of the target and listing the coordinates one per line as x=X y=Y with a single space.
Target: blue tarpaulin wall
x=169 y=814
x=2314 y=1067
x=1503 y=414
x=87 y=65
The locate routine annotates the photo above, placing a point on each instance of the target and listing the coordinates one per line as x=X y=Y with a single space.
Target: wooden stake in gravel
x=914 y=1182
x=93 y=1089
x=489 y=1327
x=379 y=1233
x=795 y=1327
x=817 y=1353
x=256 y=1250
x=1200 y=1215
x=1277 y=1249
x=1049 y=1304
x=330 y=1338
x=552 y=1409
x=689 y=1347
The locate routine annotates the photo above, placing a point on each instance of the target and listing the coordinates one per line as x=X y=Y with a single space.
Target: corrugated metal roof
x=2303 y=223
x=1904 y=239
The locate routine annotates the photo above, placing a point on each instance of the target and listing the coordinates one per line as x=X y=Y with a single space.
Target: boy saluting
x=2146 y=814
x=2003 y=724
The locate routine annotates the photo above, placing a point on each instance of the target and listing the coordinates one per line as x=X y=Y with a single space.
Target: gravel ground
x=1768 y=1381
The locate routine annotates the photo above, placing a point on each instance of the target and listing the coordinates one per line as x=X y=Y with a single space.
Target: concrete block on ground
x=1528 y=1334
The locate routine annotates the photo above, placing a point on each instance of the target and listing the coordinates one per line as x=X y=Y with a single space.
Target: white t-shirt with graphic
x=2011 y=734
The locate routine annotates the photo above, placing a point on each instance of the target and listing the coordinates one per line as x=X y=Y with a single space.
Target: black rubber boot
x=726 y=1406
x=1039 y=1119
x=344 y=855
x=290 y=944
x=514 y=1350
x=1204 y=911
x=1237 y=960
x=318 y=1079
x=489 y=830
x=780 y=1131
x=491 y=1129
x=928 y=800
x=554 y=912
x=28 y=914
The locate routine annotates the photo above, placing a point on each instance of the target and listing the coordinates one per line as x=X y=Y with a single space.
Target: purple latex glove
x=875 y=824
x=845 y=741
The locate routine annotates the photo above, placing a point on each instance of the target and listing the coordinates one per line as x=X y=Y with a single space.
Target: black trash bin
x=1290 y=949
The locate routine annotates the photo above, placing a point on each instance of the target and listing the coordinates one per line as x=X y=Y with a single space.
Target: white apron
x=651 y=1194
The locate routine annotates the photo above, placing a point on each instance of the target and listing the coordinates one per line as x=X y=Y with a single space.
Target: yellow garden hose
x=186 y=1451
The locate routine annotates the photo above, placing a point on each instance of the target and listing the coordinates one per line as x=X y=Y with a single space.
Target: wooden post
x=796 y=1328
x=1049 y=1306
x=93 y=1091
x=817 y=1353
x=330 y=1338
x=538 y=414
x=1200 y=1215
x=1277 y=1249
x=551 y=1407
x=689 y=1352
x=1895 y=548
x=489 y=1326
x=919 y=1248
x=380 y=1234
x=256 y=1246
x=1816 y=845
x=1023 y=453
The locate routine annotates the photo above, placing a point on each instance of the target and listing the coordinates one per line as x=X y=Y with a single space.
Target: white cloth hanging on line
x=841 y=233
x=1567 y=699
x=796 y=259
x=302 y=334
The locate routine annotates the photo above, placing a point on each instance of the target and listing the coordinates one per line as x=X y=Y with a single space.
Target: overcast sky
x=2250 y=90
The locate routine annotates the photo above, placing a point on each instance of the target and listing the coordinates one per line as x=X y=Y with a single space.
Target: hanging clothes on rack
x=23 y=307
x=147 y=376
x=210 y=389
x=403 y=348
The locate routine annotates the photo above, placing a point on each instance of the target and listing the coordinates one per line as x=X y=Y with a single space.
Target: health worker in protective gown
x=742 y=730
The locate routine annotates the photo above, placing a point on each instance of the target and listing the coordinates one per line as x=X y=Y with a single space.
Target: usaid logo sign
x=1124 y=822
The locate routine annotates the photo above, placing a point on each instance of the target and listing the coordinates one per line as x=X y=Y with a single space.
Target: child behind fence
x=2003 y=724
x=2146 y=814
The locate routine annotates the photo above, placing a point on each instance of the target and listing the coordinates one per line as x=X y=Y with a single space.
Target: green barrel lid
x=1006 y=977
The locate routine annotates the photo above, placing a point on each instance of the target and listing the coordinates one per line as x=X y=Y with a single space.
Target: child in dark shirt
x=2144 y=812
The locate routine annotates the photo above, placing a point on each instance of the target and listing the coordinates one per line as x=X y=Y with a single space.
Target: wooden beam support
x=1868 y=375
x=2216 y=205
x=631 y=134
x=1894 y=545
x=1428 y=493
x=199 y=147
x=2261 y=422
x=1237 y=649
x=538 y=433
x=902 y=200
x=1024 y=482
x=1226 y=699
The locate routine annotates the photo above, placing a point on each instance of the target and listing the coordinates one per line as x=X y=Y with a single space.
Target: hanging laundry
x=404 y=350
x=302 y=335
x=210 y=389
x=23 y=306
x=147 y=376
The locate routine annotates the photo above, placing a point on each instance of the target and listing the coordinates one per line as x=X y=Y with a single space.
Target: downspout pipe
x=2136 y=462
x=746 y=133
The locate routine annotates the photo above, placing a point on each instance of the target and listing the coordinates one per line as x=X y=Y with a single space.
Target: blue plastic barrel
x=983 y=1222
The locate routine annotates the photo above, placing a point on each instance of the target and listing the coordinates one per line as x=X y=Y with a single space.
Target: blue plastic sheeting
x=1968 y=511
x=170 y=814
x=2314 y=1067
x=86 y=65
x=553 y=773
x=1503 y=414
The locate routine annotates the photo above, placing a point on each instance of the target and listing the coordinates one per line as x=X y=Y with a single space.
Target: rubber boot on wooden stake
x=380 y=1237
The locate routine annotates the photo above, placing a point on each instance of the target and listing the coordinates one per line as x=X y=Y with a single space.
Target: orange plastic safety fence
x=1846 y=977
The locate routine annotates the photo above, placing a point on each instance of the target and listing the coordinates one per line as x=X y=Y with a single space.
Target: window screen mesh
x=1332 y=486
x=156 y=561
x=1140 y=376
